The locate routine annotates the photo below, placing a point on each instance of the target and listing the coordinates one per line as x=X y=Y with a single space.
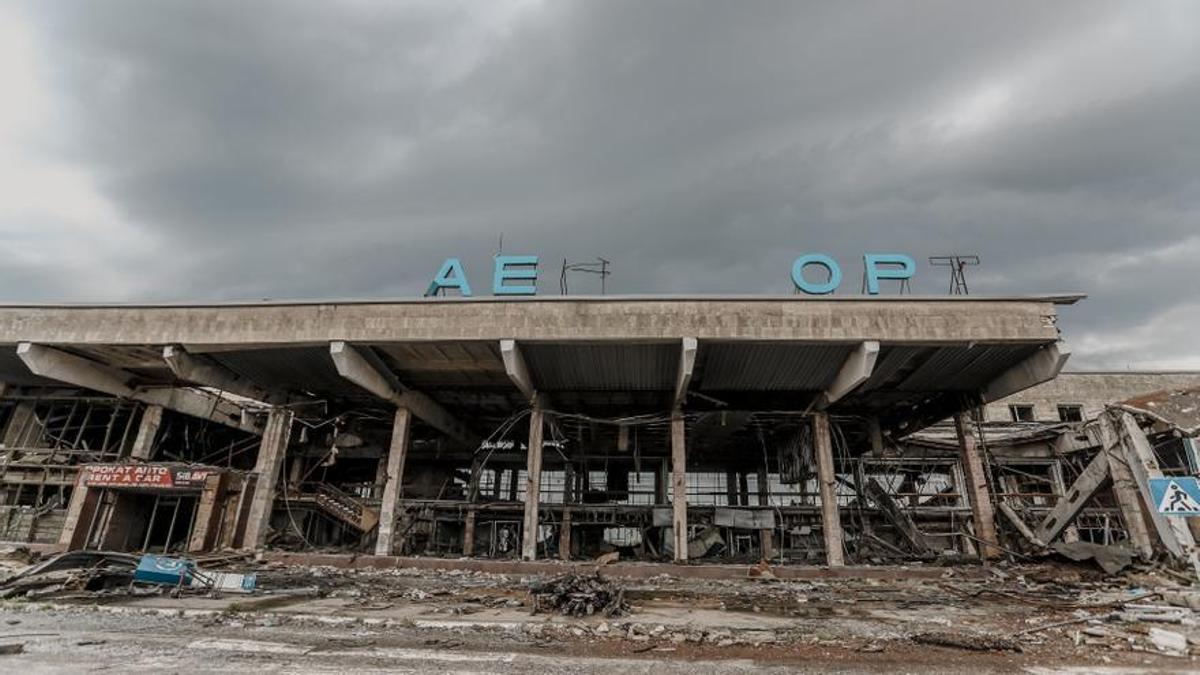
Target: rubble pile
x=579 y=595
x=73 y=571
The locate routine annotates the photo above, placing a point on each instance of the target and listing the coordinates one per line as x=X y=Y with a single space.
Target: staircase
x=344 y=507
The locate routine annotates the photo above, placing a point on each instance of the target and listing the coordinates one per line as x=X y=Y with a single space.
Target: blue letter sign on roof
x=873 y=261
x=445 y=280
x=515 y=268
x=820 y=260
x=1176 y=496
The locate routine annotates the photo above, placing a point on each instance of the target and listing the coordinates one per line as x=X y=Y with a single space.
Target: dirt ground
x=1043 y=618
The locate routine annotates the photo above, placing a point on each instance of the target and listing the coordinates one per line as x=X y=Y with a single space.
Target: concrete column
x=533 y=486
x=397 y=453
x=236 y=511
x=296 y=476
x=831 y=520
x=766 y=535
x=1125 y=489
x=660 y=482
x=143 y=444
x=679 y=487
x=18 y=424
x=84 y=501
x=380 y=476
x=976 y=486
x=875 y=433
x=208 y=514
x=514 y=476
x=468 y=548
x=564 y=536
x=270 y=461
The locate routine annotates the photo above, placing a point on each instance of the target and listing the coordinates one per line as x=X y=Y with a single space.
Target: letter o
x=822 y=260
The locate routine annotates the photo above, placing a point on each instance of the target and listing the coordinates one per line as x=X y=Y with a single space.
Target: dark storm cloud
x=343 y=149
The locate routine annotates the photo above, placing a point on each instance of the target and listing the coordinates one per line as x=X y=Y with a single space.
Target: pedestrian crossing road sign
x=1178 y=496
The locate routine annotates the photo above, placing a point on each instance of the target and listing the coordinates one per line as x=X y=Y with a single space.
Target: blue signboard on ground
x=1176 y=496
x=161 y=569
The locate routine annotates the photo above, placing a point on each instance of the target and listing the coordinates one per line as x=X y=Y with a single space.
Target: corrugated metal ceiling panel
x=964 y=368
x=771 y=366
x=608 y=367
x=292 y=369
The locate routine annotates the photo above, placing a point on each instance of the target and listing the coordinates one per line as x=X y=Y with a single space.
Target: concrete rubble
x=1051 y=612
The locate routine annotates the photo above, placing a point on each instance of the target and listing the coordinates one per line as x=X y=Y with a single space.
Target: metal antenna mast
x=958 y=270
x=599 y=268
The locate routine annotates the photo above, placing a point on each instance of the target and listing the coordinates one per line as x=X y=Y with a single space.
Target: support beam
x=679 y=519
x=1125 y=489
x=831 y=521
x=352 y=365
x=533 y=486
x=1015 y=520
x=270 y=463
x=517 y=369
x=1042 y=366
x=143 y=443
x=63 y=366
x=204 y=371
x=687 y=364
x=393 y=486
x=900 y=518
x=1172 y=530
x=1093 y=477
x=977 y=487
x=855 y=370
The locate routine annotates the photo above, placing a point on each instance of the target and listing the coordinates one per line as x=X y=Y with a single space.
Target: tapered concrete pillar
x=978 y=493
x=831 y=519
x=533 y=486
x=143 y=443
x=392 y=488
x=270 y=462
x=679 y=487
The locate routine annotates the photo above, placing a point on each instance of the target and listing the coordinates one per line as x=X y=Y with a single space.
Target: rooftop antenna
x=958 y=270
x=599 y=268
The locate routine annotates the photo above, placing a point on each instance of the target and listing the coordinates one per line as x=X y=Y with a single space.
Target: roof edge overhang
x=1053 y=298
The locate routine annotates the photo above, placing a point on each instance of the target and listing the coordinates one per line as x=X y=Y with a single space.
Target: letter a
x=444 y=279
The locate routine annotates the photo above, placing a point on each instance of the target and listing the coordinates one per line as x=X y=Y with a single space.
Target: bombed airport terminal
x=798 y=430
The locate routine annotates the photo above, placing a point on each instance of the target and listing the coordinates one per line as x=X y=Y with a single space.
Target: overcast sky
x=247 y=150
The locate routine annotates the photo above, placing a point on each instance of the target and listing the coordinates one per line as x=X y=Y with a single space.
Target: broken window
x=1070 y=413
x=1021 y=412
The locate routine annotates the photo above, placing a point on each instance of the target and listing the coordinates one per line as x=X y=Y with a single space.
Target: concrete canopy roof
x=600 y=355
